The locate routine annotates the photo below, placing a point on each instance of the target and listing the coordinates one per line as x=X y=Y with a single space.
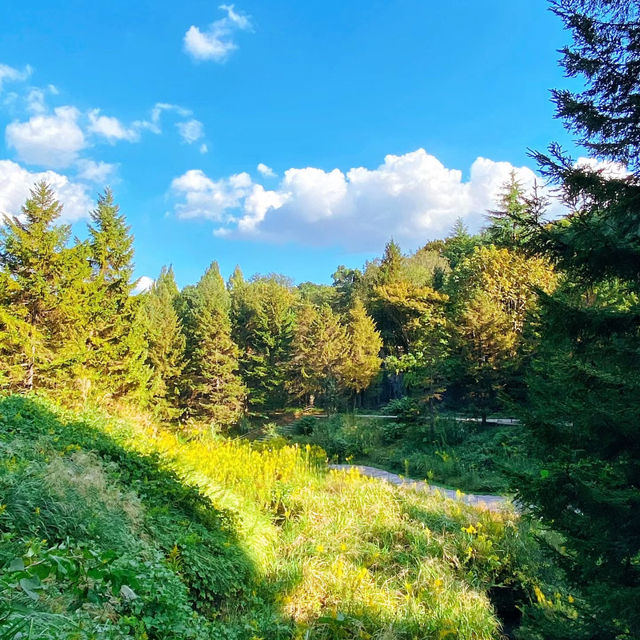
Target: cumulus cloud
x=190 y=130
x=412 y=197
x=16 y=182
x=206 y=198
x=97 y=172
x=52 y=140
x=216 y=42
x=143 y=284
x=10 y=74
x=111 y=128
x=266 y=171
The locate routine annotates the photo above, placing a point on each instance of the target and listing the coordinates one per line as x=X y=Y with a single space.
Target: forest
x=165 y=456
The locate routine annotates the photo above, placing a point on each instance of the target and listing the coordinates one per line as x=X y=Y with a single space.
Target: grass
x=458 y=455
x=114 y=528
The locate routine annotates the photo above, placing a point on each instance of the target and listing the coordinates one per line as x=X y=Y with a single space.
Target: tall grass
x=222 y=539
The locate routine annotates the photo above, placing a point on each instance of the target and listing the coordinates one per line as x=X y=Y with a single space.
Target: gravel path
x=491 y=502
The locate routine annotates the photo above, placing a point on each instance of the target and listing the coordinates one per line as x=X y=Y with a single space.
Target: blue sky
x=283 y=136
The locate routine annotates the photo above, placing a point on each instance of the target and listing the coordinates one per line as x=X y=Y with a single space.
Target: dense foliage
x=112 y=528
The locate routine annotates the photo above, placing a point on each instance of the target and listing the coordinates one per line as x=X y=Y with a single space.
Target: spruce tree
x=166 y=343
x=320 y=350
x=262 y=318
x=43 y=295
x=504 y=222
x=584 y=389
x=117 y=354
x=212 y=390
x=364 y=345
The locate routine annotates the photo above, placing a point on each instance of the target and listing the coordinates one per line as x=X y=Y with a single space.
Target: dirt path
x=491 y=502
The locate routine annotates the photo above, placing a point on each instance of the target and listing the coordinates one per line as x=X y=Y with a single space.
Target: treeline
x=451 y=317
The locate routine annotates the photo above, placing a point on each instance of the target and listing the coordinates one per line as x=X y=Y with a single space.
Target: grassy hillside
x=113 y=528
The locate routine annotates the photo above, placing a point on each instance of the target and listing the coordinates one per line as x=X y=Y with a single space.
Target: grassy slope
x=111 y=528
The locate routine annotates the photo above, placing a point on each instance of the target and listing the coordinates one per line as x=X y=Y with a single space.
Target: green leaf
x=16 y=564
x=29 y=586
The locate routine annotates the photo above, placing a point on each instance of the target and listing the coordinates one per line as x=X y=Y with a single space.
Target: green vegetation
x=458 y=454
x=162 y=525
x=111 y=528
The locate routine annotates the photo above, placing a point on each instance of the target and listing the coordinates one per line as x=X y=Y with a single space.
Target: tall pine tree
x=584 y=386
x=166 y=343
x=212 y=390
x=42 y=293
x=117 y=356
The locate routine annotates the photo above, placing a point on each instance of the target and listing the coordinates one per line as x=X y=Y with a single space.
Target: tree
x=363 y=359
x=505 y=222
x=262 y=320
x=493 y=293
x=212 y=390
x=117 y=349
x=42 y=293
x=319 y=352
x=166 y=343
x=584 y=393
x=459 y=244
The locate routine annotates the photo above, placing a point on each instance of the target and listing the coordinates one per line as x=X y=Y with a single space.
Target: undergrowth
x=113 y=528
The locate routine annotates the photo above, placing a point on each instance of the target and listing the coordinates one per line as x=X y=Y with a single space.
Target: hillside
x=112 y=528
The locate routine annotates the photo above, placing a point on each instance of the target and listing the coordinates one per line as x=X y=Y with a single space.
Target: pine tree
x=166 y=343
x=505 y=226
x=42 y=293
x=364 y=344
x=211 y=387
x=319 y=353
x=584 y=390
x=117 y=356
x=262 y=319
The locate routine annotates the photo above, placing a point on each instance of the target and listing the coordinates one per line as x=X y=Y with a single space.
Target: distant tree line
x=451 y=316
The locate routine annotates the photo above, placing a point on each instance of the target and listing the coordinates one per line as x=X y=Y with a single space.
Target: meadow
x=113 y=527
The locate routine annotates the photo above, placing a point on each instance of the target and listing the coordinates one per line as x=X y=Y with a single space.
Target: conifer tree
x=211 y=387
x=117 y=347
x=42 y=291
x=584 y=389
x=262 y=318
x=505 y=221
x=166 y=343
x=364 y=341
x=319 y=353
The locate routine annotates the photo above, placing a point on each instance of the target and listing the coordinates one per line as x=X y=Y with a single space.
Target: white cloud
x=96 y=172
x=205 y=198
x=48 y=140
x=111 y=128
x=10 y=74
x=190 y=130
x=143 y=284
x=153 y=124
x=216 y=43
x=16 y=182
x=606 y=168
x=265 y=170
x=412 y=197
x=203 y=148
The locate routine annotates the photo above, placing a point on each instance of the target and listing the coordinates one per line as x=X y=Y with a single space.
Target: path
x=491 y=502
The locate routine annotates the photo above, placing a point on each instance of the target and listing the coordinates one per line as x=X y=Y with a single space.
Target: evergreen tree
x=505 y=222
x=166 y=343
x=212 y=390
x=319 y=353
x=117 y=347
x=262 y=320
x=492 y=296
x=584 y=386
x=459 y=244
x=42 y=293
x=363 y=361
